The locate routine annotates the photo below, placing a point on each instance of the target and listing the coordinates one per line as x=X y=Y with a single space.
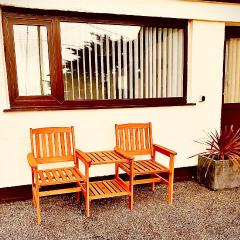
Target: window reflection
x=121 y=62
x=93 y=61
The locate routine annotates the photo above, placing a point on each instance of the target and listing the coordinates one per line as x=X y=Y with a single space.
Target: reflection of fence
x=149 y=66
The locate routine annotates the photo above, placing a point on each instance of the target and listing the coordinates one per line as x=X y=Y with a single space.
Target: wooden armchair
x=135 y=140
x=53 y=145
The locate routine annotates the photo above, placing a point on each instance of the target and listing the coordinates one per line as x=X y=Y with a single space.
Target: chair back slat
x=56 y=144
x=37 y=145
x=44 y=145
x=141 y=138
x=137 y=139
x=126 y=138
x=134 y=138
x=68 y=142
x=121 y=143
x=132 y=144
x=62 y=144
x=146 y=130
x=50 y=144
x=53 y=144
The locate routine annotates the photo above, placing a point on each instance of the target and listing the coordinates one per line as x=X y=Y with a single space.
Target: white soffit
x=160 y=8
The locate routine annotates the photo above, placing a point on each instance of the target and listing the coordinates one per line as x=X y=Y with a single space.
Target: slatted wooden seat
x=145 y=167
x=135 y=139
x=51 y=146
x=106 y=189
x=58 y=176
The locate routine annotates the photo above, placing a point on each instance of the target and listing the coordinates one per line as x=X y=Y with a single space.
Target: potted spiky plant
x=219 y=165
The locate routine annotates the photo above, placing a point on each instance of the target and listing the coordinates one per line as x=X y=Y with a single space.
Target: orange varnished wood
x=56 y=144
x=137 y=139
x=68 y=140
x=132 y=144
x=104 y=157
x=53 y=159
x=52 y=145
x=37 y=145
x=51 y=130
x=141 y=138
x=121 y=143
x=44 y=147
x=145 y=167
x=105 y=189
x=126 y=138
x=101 y=189
x=62 y=144
x=139 y=135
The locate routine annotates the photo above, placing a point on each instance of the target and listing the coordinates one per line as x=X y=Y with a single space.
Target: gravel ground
x=197 y=213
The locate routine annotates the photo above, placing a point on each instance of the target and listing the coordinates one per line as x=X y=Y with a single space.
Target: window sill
x=57 y=108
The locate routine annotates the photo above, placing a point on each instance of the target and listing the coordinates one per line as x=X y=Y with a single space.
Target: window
x=232 y=66
x=80 y=60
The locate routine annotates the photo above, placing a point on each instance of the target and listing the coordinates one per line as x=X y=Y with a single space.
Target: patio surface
x=196 y=213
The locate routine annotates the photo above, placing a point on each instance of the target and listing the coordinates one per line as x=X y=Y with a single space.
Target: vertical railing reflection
x=109 y=65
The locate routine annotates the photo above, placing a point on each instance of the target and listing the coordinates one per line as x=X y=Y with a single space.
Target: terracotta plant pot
x=220 y=175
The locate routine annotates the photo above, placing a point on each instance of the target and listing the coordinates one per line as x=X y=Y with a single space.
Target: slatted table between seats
x=106 y=188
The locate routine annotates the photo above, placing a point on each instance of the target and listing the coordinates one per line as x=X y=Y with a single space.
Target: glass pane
x=121 y=62
x=31 y=50
x=232 y=71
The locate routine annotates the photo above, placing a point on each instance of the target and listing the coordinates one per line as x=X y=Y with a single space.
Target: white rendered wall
x=173 y=127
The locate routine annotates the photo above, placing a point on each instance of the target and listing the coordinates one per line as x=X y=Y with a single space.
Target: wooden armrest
x=123 y=153
x=32 y=161
x=163 y=150
x=83 y=157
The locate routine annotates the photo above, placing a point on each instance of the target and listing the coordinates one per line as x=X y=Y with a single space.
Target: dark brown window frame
x=52 y=19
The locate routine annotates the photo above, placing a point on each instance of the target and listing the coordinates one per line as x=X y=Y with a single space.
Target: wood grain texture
x=106 y=189
x=139 y=135
x=51 y=145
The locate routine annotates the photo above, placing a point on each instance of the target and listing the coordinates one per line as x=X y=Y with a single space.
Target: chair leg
x=170 y=188
x=153 y=185
x=130 y=198
x=130 y=201
x=87 y=206
x=33 y=199
x=116 y=171
x=38 y=208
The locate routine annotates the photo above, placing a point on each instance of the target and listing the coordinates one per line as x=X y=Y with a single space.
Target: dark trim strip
x=97 y=17
x=232 y=32
x=30 y=109
x=20 y=193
